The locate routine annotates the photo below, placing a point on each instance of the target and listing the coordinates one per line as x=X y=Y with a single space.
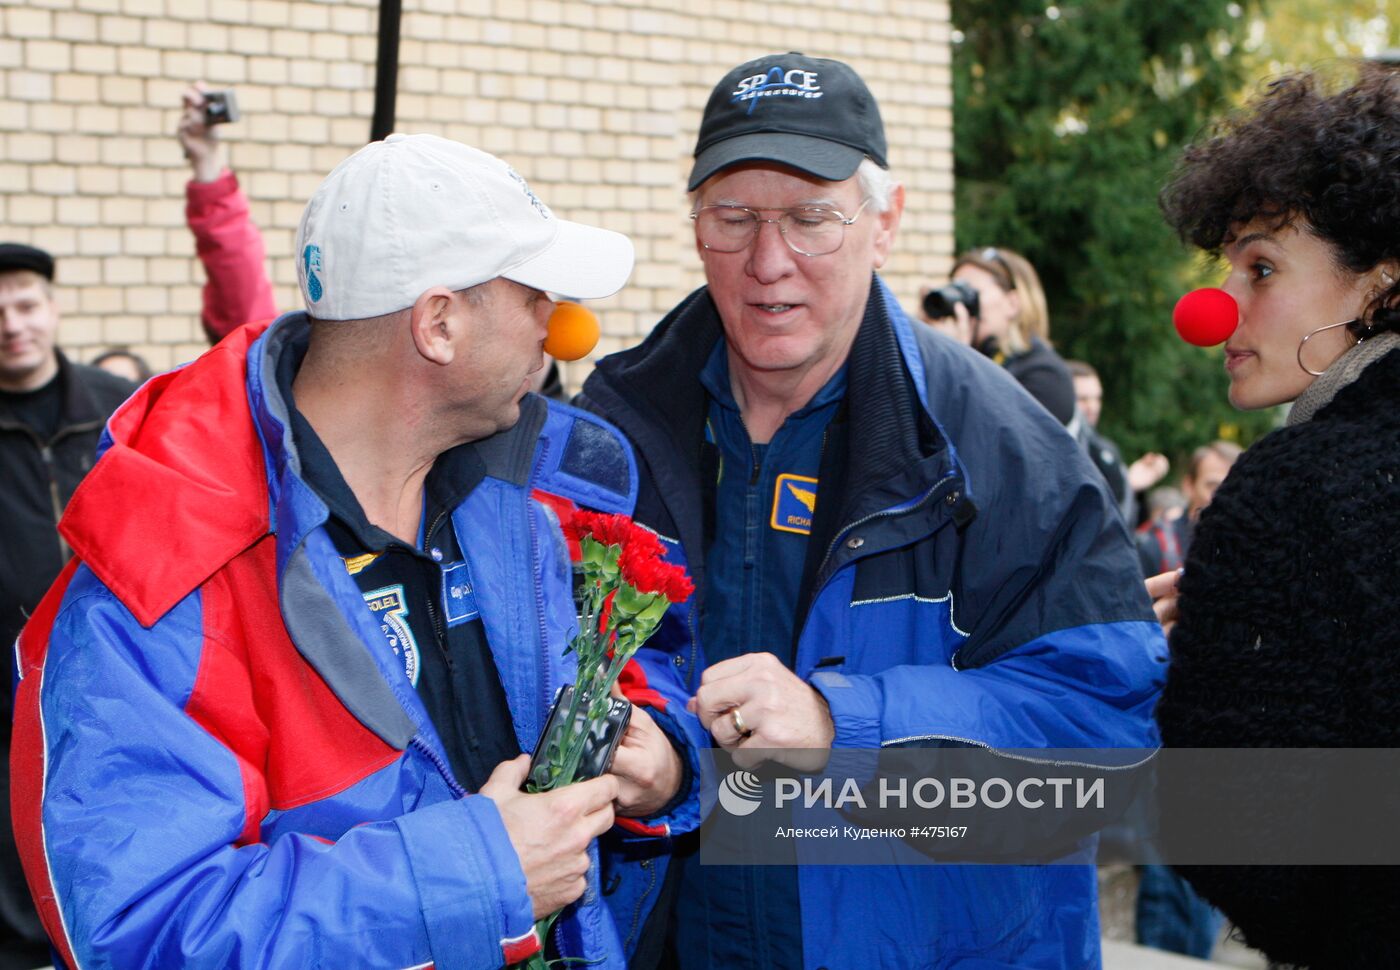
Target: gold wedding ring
x=740 y=728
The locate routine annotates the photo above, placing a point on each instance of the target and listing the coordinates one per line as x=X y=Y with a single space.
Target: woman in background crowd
x=1011 y=325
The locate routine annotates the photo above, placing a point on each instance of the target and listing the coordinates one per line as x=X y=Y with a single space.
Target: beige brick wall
x=595 y=102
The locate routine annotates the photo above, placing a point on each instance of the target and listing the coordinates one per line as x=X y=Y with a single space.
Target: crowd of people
x=309 y=594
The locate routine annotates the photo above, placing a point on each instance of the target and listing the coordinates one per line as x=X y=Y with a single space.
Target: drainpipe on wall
x=386 y=71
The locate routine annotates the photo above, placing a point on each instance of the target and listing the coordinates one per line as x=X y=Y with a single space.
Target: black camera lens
x=939 y=303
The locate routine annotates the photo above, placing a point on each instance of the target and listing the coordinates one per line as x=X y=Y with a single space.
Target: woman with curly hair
x=1285 y=629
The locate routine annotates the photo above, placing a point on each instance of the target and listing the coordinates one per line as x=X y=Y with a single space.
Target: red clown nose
x=1206 y=317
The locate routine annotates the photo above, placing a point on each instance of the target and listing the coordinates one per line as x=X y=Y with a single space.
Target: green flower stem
x=633 y=618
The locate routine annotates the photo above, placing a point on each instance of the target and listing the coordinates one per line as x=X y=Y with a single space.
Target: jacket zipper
x=546 y=681
x=754 y=468
x=418 y=743
x=424 y=748
x=434 y=616
x=649 y=866
x=46 y=455
x=46 y=452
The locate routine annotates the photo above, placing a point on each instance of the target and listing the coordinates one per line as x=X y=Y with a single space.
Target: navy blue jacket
x=968 y=581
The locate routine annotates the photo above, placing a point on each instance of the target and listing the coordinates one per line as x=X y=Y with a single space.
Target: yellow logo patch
x=794 y=503
x=355 y=564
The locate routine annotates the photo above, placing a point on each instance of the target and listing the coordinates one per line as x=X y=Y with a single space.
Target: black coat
x=1042 y=372
x=37 y=478
x=1289 y=637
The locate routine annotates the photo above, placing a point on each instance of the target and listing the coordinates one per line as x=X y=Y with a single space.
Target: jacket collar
x=183 y=443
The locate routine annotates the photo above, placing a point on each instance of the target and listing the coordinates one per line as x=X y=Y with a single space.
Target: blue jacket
x=217 y=762
x=968 y=581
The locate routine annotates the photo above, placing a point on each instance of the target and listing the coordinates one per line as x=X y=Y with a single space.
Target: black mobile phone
x=601 y=743
x=220 y=107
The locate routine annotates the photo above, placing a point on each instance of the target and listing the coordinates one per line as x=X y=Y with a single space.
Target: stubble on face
x=503 y=352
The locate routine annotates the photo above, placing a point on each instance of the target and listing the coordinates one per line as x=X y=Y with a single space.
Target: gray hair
x=876 y=184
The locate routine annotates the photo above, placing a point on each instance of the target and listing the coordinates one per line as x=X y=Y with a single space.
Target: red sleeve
x=237 y=290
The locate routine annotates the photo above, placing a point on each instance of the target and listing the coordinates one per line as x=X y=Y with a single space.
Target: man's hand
x=1162 y=589
x=647 y=767
x=753 y=703
x=200 y=142
x=551 y=831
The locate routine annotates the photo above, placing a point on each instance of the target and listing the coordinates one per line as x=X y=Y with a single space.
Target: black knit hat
x=15 y=256
x=809 y=113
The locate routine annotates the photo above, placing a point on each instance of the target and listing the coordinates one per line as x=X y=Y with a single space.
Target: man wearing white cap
x=316 y=604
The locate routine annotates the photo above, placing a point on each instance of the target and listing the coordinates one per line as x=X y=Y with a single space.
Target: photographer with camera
x=230 y=247
x=995 y=304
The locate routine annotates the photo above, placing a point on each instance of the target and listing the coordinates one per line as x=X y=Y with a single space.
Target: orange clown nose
x=573 y=332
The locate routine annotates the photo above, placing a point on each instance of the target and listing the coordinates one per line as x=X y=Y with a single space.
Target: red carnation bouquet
x=626 y=589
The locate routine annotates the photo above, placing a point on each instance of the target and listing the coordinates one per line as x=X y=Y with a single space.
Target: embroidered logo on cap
x=311 y=257
x=540 y=207
x=794 y=503
x=777 y=83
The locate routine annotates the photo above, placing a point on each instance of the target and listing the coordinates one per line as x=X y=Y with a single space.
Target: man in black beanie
x=51 y=414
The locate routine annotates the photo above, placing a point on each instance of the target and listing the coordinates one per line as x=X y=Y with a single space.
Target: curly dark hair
x=1303 y=151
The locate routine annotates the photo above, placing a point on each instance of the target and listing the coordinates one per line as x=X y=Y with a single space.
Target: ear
x=433 y=325
x=1013 y=299
x=887 y=225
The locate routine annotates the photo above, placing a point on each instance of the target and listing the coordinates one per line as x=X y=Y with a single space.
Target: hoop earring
x=1314 y=333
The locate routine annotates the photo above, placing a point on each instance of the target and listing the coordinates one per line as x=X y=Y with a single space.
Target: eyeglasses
x=808 y=230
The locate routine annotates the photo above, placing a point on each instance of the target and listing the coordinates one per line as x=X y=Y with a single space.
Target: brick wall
x=596 y=103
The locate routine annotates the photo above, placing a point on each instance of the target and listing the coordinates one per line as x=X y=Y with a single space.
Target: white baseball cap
x=411 y=212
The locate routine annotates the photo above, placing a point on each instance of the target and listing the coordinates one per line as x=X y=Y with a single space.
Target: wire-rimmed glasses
x=808 y=230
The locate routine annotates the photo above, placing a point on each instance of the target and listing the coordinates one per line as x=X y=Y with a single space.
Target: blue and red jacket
x=968 y=582
x=216 y=762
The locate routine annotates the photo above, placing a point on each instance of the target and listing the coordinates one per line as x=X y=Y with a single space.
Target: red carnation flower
x=651 y=574
x=612 y=530
x=642 y=541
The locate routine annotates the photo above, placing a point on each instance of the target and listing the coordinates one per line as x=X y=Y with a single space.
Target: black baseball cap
x=810 y=113
x=15 y=256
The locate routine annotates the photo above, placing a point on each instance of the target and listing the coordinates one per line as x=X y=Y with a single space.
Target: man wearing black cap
x=892 y=544
x=51 y=414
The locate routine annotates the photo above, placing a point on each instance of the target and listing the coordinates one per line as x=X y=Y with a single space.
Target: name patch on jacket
x=794 y=503
x=458 y=597
x=388 y=606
